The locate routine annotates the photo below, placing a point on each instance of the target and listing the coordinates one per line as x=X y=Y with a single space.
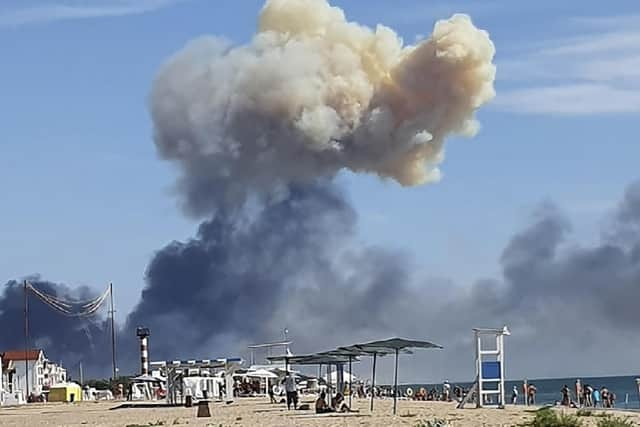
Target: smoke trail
x=313 y=94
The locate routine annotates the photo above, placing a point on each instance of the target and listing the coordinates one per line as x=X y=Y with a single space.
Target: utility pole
x=81 y=376
x=26 y=340
x=113 y=333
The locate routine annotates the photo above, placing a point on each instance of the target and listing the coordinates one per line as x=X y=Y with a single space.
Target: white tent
x=347 y=377
x=261 y=373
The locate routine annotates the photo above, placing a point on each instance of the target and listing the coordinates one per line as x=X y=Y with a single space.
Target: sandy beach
x=257 y=411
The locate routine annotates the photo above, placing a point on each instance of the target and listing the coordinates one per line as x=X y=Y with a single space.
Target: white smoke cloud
x=313 y=93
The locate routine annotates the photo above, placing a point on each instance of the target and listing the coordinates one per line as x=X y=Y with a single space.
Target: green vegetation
x=609 y=421
x=549 y=418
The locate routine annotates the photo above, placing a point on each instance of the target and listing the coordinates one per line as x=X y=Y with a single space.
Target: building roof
x=33 y=354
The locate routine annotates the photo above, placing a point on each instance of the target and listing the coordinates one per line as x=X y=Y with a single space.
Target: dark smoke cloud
x=296 y=263
x=65 y=339
x=293 y=261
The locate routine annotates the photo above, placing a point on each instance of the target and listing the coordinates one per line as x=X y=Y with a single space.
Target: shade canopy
x=392 y=344
x=361 y=350
x=311 y=359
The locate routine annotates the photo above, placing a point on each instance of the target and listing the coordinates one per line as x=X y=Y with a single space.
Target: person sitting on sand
x=321 y=404
x=339 y=405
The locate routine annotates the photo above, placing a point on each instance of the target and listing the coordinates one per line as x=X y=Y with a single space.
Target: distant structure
x=143 y=334
x=43 y=374
x=268 y=348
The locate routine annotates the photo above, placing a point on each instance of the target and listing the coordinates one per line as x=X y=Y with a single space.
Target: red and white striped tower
x=143 y=334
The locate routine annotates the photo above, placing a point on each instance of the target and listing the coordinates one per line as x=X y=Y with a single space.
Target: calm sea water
x=549 y=389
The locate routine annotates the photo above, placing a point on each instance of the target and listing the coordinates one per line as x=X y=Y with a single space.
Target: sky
x=87 y=201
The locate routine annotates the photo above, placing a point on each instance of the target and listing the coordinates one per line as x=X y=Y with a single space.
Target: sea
x=548 y=393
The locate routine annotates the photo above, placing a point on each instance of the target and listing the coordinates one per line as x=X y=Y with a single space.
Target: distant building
x=43 y=373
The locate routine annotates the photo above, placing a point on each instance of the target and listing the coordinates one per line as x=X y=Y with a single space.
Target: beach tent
x=390 y=346
x=148 y=378
x=261 y=373
x=334 y=377
x=65 y=392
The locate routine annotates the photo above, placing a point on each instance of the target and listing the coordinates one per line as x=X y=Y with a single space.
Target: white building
x=43 y=373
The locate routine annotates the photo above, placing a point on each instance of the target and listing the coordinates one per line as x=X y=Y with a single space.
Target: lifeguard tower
x=488 y=389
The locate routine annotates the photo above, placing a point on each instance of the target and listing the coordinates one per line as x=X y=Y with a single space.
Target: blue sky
x=85 y=199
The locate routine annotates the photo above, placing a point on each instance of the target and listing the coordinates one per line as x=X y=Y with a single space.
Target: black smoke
x=294 y=261
x=69 y=340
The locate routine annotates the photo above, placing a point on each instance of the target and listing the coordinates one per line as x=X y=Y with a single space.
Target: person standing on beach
x=596 y=398
x=291 y=388
x=604 y=394
x=579 y=393
x=446 y=391
x=587 y=391
x=514 y=395
x=531 y=393
x=566 y=400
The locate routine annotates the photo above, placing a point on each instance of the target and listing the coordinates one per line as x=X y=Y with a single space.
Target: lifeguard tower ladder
x=489 y=370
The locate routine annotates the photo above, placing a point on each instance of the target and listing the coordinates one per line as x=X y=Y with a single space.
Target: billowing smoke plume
x=313 y=94
x=259 y=131
x=296 y=264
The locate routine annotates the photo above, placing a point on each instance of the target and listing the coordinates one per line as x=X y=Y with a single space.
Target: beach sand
x=258 y=412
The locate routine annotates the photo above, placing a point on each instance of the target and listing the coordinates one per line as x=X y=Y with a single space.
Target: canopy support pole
x=395 y=384
x=350 y=381
x=373 y=379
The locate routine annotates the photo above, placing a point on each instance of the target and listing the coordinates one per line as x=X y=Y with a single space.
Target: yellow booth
x=65 y=392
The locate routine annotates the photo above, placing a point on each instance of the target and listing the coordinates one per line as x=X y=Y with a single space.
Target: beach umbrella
x=390 y=346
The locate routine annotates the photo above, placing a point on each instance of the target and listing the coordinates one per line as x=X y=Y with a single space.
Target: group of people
x=337 y=404
x=589 y=396
x=530 y=391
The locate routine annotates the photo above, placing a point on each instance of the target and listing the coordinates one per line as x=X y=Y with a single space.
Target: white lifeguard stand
x=489 y=363
x=490 y=367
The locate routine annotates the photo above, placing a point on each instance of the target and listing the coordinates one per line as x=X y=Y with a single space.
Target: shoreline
x=258 y=411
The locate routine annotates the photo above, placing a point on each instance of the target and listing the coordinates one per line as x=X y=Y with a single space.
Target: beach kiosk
x=65 y=392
